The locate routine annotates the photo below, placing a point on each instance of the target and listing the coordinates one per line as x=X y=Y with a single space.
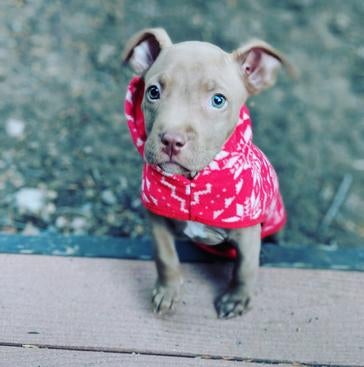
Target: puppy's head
x=193 y=94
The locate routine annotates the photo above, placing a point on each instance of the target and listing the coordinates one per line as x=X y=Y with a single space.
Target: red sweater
x=239 y=188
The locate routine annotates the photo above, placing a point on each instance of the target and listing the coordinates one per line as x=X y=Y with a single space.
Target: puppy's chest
x=201 y=233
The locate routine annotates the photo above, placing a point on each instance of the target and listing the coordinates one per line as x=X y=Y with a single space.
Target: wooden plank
x=293 y=256
x=26 y=357
x=299 y=315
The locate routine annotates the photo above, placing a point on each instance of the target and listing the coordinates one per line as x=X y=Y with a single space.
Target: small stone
x=123 y=182
x=139 y=230
x=50 y=209
x=358 y=164
x=360 y=52
x=30 y=200
x=52 y=195
x=108 y=197
x=86 y=210
x=342 y=21
x=136 y=203
x=30 y=230
x=61 y=222
x=111 y=218
x=105 y=53
x=16 y=25
x=88 y=149
x=79 y=225
x=15 y=128
x=89 y=193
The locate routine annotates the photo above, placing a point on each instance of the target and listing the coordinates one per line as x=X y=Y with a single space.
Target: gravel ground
x=67 y=164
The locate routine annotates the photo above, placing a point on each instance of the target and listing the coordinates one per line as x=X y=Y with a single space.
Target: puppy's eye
x=218 y=101
x=153 y=93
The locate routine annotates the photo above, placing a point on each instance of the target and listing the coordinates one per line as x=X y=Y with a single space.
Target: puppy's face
x=193 y=94
x=191 y=104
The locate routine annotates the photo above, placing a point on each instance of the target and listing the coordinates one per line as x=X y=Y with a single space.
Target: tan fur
x=188 y=74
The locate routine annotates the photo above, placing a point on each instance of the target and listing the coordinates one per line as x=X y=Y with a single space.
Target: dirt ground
x=67 y=164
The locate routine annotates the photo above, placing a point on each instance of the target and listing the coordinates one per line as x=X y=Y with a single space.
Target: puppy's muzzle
x=172 y=143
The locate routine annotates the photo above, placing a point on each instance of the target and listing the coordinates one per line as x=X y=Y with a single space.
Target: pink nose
x=172 y=143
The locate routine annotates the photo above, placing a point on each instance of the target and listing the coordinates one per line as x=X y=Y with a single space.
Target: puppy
x=202 y=175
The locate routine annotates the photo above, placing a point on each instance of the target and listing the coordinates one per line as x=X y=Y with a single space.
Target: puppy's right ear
x=144 y=47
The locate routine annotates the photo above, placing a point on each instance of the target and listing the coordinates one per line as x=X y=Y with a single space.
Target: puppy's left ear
x=144 y=47
x=258 y=63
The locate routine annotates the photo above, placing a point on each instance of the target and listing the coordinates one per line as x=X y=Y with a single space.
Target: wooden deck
x=58 y=311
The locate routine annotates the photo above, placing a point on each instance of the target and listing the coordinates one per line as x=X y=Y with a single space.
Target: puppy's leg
x=167 y=288
x=235 y=301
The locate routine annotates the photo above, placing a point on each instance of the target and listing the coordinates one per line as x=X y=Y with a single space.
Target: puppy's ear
x=259 y=63
x=144 y=47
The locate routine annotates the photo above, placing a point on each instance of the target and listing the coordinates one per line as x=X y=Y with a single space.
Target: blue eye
x=218 y=101
x=153 y=93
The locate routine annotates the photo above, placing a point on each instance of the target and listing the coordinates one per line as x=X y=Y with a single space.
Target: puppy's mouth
x=174 y=167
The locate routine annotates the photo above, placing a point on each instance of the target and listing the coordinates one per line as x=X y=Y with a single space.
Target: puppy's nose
x=172 y=143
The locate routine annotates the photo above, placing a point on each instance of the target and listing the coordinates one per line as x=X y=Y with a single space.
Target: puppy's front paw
x=165 y=297
x=234 y=302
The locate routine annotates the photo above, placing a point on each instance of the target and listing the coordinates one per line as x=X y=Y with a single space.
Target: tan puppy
x=187 y=84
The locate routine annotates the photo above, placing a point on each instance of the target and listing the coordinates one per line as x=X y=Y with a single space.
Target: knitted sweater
x=238 y=188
